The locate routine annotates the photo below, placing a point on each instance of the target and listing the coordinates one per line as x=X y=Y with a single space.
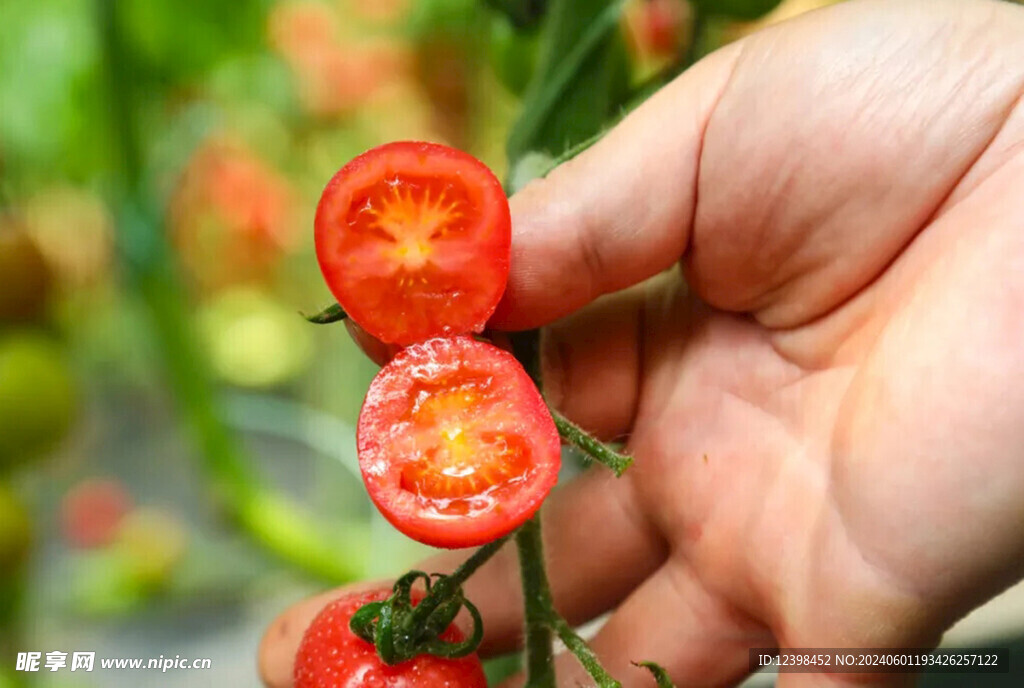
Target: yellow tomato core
x=412 y=218
x=459 y=454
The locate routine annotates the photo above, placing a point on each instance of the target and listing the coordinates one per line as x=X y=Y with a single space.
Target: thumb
x=619 y=212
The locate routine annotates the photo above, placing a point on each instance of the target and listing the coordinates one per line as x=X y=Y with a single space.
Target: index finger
x=617 y=213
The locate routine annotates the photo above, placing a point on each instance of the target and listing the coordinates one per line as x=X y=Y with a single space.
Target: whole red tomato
x=332 y=656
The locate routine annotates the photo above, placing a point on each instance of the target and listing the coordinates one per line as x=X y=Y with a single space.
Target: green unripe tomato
x=37 y=397
x=15 y=530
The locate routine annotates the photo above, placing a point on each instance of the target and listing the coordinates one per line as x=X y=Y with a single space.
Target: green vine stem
x=542 y=619
x=591 y=446
x=401 y=631
x=538 y=606
x=578 y=646
x=447 y=586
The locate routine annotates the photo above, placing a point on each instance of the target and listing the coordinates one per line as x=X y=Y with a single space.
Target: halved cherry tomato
x=413 y=240
x=330 y=654
x=456 y=445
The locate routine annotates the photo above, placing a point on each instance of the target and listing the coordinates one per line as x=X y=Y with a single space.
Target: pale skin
x=828 y=423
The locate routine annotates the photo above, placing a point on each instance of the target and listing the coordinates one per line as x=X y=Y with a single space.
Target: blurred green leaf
x=737 y=9
x=178 y=39
x=260 y=79
x=49 y=122
x=513 y=54
x=530 y=166
x=581 y=81
x=500 y=668
x=523 y=14
x=449 y=18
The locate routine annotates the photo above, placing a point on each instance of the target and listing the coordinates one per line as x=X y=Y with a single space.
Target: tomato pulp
x=331 y=655
x=456 y=445
x=413 y=240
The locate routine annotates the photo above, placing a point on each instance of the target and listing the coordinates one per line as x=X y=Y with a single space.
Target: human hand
x=828 y=421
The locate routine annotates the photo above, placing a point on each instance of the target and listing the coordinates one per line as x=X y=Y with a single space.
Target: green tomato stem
x=578 y=646
x=542 y=618
x=450 y=585
x=539 y=609
x=591 y=446
x=476 y=560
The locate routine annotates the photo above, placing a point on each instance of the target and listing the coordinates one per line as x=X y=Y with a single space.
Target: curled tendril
x=403 y=588
x=661 y=677
x=449 y=650
x=364 y=620
x=384 y=637
x=442 y=617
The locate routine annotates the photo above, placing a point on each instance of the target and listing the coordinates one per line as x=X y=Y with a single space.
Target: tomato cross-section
x=456 y=445
x=413 y=240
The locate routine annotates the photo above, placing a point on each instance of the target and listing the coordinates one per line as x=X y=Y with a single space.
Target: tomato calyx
x=401 y=631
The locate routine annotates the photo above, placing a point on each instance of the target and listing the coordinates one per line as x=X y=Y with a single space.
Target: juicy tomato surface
x=332 y=656
x=413 y=240
x=456 y=445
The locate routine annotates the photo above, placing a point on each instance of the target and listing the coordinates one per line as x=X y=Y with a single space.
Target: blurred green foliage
x=174 y=40
x=581 y=79
x=737 y=9
x=48 y=81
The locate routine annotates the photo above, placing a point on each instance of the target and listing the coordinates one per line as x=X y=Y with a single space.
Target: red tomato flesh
x=332 y=656
x=413 y=240
x=456 y=445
